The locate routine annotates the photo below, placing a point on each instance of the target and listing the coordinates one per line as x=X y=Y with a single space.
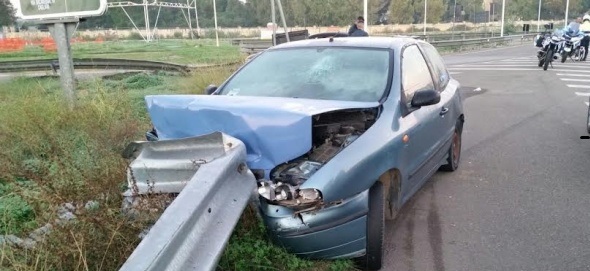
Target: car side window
x=439 y=68
x=415 y=73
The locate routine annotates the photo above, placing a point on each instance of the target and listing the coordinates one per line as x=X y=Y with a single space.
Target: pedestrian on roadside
x=357 y=29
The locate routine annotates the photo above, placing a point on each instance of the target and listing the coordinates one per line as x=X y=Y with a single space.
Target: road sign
x=59 y=9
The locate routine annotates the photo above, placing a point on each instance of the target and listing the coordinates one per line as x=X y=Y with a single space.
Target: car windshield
x=346 y=74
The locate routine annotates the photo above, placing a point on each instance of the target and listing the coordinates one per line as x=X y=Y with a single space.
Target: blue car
x=340 y=133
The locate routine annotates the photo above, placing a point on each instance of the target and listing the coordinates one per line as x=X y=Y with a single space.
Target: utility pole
x=539 y=17
x=425 y=9
x=366 y=15
x=503 y=10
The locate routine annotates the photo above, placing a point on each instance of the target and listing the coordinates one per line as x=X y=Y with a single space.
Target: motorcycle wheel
x=577 y=55
x=541 y=59
x=563 y=57
x=548 y=57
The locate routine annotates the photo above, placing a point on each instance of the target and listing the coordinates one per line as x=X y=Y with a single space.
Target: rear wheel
x=454 y=156
x=548 y=58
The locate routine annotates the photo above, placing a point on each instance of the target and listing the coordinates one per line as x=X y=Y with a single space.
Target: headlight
x=289 y=196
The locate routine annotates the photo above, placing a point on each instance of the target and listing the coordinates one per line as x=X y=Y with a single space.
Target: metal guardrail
x=256 y=46
x=495 y=41
x=215 y=186
x=436 y=36
x=91 y=63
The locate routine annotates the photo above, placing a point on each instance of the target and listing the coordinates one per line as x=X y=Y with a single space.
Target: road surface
x=521 y=197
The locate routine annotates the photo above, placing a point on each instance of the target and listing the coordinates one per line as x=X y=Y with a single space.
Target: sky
x=14 y=2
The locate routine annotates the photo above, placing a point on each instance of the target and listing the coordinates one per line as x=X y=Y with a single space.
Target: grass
x=50 y=155
x=173 y=51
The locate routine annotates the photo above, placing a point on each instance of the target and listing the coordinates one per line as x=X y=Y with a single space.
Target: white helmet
x=586 y=17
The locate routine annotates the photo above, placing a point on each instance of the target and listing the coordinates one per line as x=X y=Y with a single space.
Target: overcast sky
x=14 y=3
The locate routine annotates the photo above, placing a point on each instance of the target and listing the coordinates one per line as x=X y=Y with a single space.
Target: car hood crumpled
x=274 y=130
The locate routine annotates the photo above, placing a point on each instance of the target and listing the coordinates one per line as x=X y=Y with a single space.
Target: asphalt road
x=521 y=197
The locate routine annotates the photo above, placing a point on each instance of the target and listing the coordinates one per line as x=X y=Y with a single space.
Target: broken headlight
x=288 y=195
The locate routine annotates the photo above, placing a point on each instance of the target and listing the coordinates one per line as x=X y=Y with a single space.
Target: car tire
x=454 y=153
x=391 y=194
x=372 y=260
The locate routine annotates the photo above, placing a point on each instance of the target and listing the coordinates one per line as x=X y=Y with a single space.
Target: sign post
x=62 y=17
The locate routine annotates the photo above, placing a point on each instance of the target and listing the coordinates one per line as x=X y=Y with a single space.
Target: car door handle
x=444 y=110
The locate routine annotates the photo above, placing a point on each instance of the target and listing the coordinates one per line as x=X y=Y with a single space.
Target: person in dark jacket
x=357 y=29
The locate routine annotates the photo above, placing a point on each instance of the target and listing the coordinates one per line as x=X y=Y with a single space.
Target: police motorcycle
x=549 y=45
x=572 y=41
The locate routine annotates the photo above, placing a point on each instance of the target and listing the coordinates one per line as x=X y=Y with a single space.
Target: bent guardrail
x=215 y=186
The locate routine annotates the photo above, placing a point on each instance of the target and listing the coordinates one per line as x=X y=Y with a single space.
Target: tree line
x=254 y=13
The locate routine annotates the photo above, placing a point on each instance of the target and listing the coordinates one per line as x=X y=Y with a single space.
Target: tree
x=6 y=13
x=402 y=12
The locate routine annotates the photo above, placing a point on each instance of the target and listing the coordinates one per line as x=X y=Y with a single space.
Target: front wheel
x=564 y=57
x=548 y=58
x=541 y=61
x=372 y=260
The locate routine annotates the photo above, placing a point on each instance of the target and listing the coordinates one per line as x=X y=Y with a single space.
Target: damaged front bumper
x=334 y=232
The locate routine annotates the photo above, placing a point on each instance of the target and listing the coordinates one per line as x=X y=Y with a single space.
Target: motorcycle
x=550 y=46
x=571 y=46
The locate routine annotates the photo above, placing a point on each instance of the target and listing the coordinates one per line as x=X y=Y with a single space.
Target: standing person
x=357 y=29
x=585 y=28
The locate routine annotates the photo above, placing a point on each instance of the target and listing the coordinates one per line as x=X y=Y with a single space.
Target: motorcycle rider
x=573 y=27
x=585 y=28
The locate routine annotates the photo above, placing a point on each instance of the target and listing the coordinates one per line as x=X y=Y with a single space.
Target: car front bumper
x=338 y=231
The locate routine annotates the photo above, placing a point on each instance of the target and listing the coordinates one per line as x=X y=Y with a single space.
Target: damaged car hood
x=274 y=130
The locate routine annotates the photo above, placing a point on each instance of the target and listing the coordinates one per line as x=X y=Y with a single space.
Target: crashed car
x=339 y=133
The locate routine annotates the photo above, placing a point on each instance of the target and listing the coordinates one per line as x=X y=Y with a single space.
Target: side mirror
x=210 y=89
x=425 y=97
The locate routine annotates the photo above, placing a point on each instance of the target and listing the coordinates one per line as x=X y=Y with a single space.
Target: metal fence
x=439 y=41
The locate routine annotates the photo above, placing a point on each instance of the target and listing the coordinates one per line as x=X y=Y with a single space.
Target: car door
x=448 y=94
x=420 y=125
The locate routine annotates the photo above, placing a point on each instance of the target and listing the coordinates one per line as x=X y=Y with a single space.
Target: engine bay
x=331 y=133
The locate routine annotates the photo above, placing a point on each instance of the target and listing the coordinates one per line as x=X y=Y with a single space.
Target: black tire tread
x=373 y=258
x=449 y=167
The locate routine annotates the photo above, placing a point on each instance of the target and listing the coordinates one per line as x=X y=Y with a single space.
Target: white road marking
x=584 y=94
x=572 y=74
x=514 y=69
x=579 y=86
x=575 y=80
x=587 y=104
x=492 y=69
x=518 y=65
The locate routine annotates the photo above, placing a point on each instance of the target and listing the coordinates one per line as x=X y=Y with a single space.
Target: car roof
x=366 y=42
